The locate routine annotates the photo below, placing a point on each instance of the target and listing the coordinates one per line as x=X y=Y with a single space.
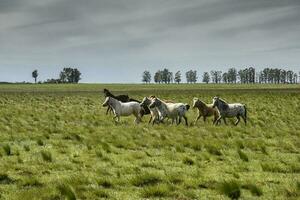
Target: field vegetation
x=57 y=143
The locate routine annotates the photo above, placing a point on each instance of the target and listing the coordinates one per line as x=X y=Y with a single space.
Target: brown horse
x=205 y=110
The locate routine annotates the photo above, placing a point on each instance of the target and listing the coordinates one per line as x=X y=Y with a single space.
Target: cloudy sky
x=116 y=40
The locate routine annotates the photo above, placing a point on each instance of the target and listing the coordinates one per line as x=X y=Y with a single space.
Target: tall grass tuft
x=232 y=189
x=67 y=191
x=243 y=156
x=47 y=156
x=158 y=191
x=188 y=161
x=40 y=142
x=5 y=179
x=146 y=179
x=106 y=183
x=253 y=189
x=7 y=149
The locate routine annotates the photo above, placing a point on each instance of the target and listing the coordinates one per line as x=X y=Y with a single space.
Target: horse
x=205 y=110
x=145 y=109
x=123 y=98
x=230 y=110
x=123 y=109
x=154 y=113
x=170 y=110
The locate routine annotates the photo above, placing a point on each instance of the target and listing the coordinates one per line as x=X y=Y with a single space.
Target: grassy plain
x=57 y=143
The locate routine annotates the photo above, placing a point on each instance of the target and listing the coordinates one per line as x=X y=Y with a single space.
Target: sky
x=114 y=41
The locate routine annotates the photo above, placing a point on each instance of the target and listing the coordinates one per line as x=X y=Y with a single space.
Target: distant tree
x=225 y=77
x=216 y=76
x=177 y=77
x=146 y=78
x=158 y=76
x=205 y=77
x=232 y=75
x=63 y=77
x=70 y=75
x=167 y=76
x=191 y=76
x=35 y=75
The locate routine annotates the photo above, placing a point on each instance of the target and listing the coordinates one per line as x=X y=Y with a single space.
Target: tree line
x=67 y=75
x=232 y=75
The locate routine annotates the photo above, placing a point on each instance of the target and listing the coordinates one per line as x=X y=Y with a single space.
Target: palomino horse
x=123 y=109
x=230 y=110
x=173 y=111
x=205 y=110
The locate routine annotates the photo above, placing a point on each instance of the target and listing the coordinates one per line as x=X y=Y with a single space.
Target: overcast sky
x=116 y=40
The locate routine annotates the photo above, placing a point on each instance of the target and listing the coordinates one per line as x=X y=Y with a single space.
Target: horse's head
x=106 y=102
x=145 y=102
x=154 y=103
x=215 y=102
x=106 y=92
x=195 y=100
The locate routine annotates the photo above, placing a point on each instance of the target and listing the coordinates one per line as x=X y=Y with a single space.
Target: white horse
x=173 y=111
x=153 y=111
x=123 y=109
x=230 y=110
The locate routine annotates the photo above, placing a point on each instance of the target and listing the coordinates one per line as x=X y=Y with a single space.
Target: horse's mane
x=107 y=93
x=130 y=99
x=202 y=103
x=224 y=103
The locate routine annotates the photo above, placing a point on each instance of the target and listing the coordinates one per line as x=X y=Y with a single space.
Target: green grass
x=57 y=143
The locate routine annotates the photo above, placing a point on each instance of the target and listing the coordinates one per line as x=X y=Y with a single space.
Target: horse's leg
x=199 y=115
x=218 y=120
x=224 y=120
x=244 y=118
x=204 y=118
x=238 y=120
x=150 y=119
x=108 y=108
x=185 y=119
x=179 y=121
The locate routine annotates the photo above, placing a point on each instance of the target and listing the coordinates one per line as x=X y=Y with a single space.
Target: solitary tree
x=35 y=75
x=146 y=77
x=205 y=78
x=177 y=78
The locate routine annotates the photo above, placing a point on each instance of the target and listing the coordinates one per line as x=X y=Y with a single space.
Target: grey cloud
x=135 y=33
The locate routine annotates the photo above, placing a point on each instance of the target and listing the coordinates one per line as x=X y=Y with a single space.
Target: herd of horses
x=159 y=110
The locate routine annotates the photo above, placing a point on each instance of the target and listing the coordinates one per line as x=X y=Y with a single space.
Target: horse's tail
x=187 y=106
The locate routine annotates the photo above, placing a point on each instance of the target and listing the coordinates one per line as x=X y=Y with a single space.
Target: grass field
x=57 y=143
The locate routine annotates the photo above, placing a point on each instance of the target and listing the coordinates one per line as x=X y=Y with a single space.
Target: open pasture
x=57 y=143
